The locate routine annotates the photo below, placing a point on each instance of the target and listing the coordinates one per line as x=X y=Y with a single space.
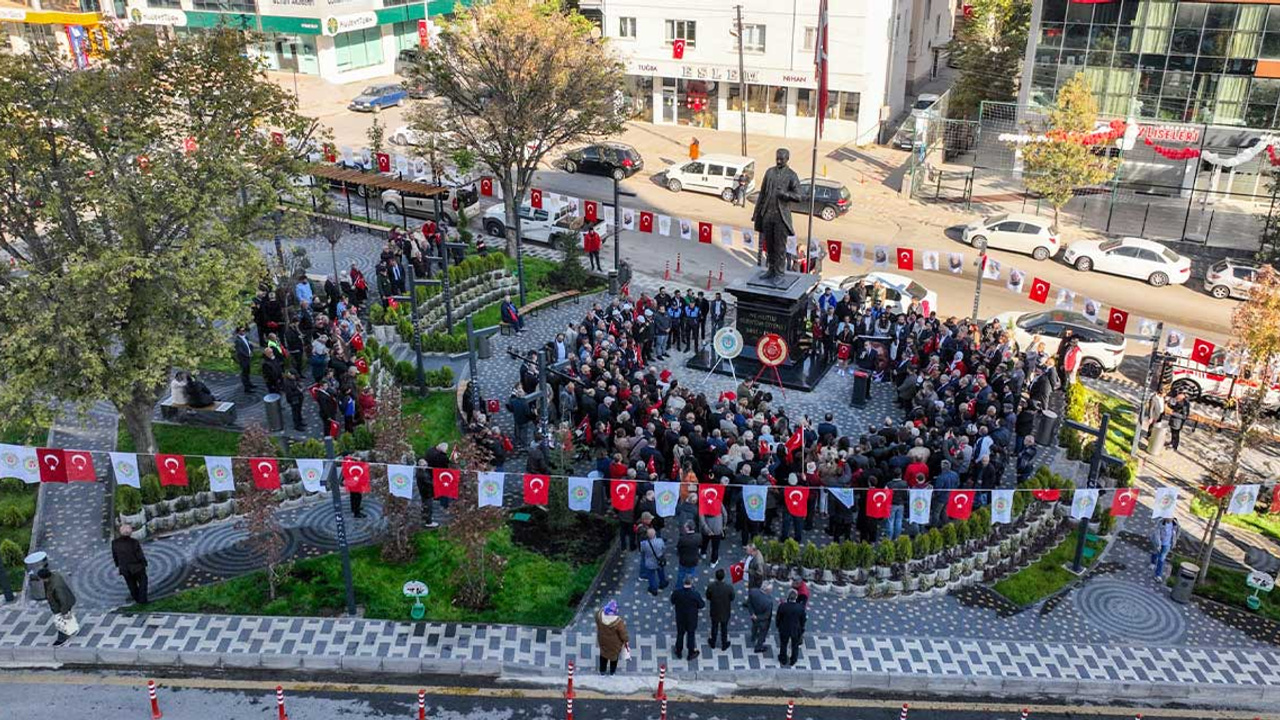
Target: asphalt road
x=108 y=697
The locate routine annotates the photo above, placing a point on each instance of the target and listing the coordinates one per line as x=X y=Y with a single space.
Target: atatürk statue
x=772 y=216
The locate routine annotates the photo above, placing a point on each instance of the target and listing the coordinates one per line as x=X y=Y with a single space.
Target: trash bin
x=35 y=562
x=1186 y=582
x=1046 y=428
x=484 y=346
x=1155 y=440
x=613 y=282
x=275 y=412
x=861 y=388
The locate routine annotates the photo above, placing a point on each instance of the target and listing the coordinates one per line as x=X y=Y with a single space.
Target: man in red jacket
x=591 y=246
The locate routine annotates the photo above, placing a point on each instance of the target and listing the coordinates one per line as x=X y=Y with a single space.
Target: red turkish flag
x=277 y=138
x=833 y=250
x=445 y=481
x=189 y=145
x=646 y=221
x=172 y=469
x=1040 y=290
x=960 y=504
x=535 y=198
x=622 y=495
x=704 y=232
x=52 y=467
x=330 y=153
x=1219 y=491
x=1117 y=320
x=79 y=464
x=677 y=50
x=1202 y=351
x=906 y=259
x=144 y=164
x=879 y=502
x=266 y=473
x=355 y=476
x=1275 y=500
x=486 y=187
x=590 y=210
x=1123 y=501
x=736 y=572
x=797 y=500
x=384 y=162
x=537 y=489
x=1047 y=495
x=710 y=499
x=362 y=366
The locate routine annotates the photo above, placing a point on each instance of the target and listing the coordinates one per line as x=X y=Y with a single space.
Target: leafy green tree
x=988 y=48
x=520 y=78
x=1056 y=167
x=376 y=134
x=129 y=196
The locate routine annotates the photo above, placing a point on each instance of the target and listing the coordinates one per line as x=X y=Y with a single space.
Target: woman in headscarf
x=611 y=636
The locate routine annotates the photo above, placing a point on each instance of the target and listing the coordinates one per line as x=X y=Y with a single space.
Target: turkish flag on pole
x=486 y=186
x=1040 y=290
x=821 y=60
x=1046 y=495
x=266 y=473
x=536 y=490
x=1202 y=351
x=535 y=198
x=797 y=500
x=622 y=495
x=736 y=571
x=794 y=443
x=79 y=465
x=277 y=139
x=444 y=482
x=1117 y=320
x=960 y=504
x=833 y=250
x=172 y=469
x=384 y=162
x=646 y=221
x=704 y=232
x=710 y=499
x=906 y=259
x=52 y=468
x=590 y=210
x=1219 y=491
x=879 y=502
x=355 y=476
x=1123 y=501
x=677 y=50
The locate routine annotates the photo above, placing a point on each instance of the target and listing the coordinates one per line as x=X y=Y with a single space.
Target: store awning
x=14 y=12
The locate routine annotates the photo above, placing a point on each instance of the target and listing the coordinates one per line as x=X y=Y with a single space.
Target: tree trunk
x=509 y=203
x=137 y=418
x=1206 y=547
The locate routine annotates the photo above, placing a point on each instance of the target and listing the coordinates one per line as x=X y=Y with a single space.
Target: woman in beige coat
x=611 y=636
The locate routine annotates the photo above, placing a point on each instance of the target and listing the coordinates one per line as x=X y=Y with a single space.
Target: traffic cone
x=903 y=714
x=422 y=705
x=280 y=703
x=708 y=279
x=666 y=274
x=677 y=263
x=791 y=709
x=1025 y=714
x=664 y=710
x=662 y=681
x=568 y=711
x=568 y=693
x=721 y=273
x=155 y=702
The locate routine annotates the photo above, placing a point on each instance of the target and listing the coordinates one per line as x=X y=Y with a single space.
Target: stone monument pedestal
x=770 y=306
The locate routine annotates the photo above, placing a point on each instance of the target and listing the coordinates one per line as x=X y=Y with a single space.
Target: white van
x=712 y=174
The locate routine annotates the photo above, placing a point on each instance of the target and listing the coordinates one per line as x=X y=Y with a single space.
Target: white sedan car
x=899 y=290
x=1102 y=349
x=1131 y=257
x=404 y=135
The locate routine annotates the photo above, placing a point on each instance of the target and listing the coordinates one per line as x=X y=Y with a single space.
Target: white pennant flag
x=628 y=219
x=580 y=494
x=726 y=235
x=400 y=481
x=1066 y=298
x=748 y=236
x=931 y=260
x=991 y=269
x=1016 y=278
x=1091 y=308
x=491 y=486
x=880 y=257
x=1083 y=503
x=686 y=229
x=1002 y=506
x=857 y=253
x=220 y=477
x=920 y=501
x=1164 y=502
x=312 y=473
x=402 y=164
x=955 y=263
x=1243 y=498
x=664 y=225
x=666 y=495
x=20 y=462
x=125 y=467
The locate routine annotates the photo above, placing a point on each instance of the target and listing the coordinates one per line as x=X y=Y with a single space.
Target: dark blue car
x=377 y=97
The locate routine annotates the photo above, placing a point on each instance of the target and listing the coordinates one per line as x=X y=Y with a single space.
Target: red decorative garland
x=1174 y=153
x=1271 y=155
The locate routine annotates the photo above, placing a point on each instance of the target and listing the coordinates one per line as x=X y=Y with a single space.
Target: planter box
x=858 y=590
x=841 y=589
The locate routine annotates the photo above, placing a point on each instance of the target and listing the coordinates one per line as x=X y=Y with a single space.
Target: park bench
x=549 y=301
x=219 y=413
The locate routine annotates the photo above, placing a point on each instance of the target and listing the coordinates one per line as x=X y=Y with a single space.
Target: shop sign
x=338 y=24
x=1169 y=133
x=154 y=16
x=715 y=73
x=8 y=14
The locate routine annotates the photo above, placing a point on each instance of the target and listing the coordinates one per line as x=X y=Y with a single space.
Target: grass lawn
x=1227 y=587
x=534 y=591
x=1120 y=430
x=17 y=501
x=439 y=420
x=185 y=440
x=535 y=271
x=225 y=363
x=1261 y=522
x=1047 y=576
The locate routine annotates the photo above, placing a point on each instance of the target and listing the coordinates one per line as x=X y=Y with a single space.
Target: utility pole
x=340 y=526
x=742 y=81
x=1099 y=456
x=1146 y=388
x=977 y=290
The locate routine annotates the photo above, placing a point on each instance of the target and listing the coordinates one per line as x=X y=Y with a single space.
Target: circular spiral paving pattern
x=318 y=527
x=100 y=584
x=225 y=551
x=1130 y=612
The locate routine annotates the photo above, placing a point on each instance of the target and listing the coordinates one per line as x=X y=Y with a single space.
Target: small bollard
x=662 y=681
x=155 y=702
x=666 y=274
x=903 y=715
x=422 y=705
x=677 y=263
x=568 y=712
x=568 y=693
x=664 y=710
x=791 y=709
x=1025 y=713
x=280 y=703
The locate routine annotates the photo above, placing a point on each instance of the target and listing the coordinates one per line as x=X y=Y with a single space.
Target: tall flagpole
x=813 y=194
x=821 y=61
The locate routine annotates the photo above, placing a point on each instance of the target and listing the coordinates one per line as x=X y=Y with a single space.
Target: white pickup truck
x=539 y=224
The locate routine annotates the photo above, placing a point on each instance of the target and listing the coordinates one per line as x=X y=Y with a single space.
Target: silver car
x=1231 y=278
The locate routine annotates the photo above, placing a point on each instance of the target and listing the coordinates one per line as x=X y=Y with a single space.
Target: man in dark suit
x=718 y=309
x=687 y=604
x=244 y=356
x=720 y=594
x=127 y=555
x=272 y=370
x=790 y=622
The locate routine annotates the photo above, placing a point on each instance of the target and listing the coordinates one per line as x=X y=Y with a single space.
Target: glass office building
x=1216 y=63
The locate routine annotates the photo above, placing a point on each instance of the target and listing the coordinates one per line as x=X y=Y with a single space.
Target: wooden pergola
x=348 y=176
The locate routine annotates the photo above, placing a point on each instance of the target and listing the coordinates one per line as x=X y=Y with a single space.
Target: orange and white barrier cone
x=568 y=693
x=280 y=703
x=422 y=705
x=662 y=681
x=155 y=702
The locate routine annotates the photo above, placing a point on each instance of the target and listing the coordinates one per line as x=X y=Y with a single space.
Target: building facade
x=868 y=63
x=72 y=28
x=932 y=23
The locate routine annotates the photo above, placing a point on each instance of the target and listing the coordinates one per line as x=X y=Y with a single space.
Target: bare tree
x=391 y=431
x=266 y=536
x=480 y=572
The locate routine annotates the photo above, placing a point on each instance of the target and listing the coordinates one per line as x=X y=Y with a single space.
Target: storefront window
x=241 y=6
x=697 y=103
x=848 y=106
x=638 y=92
x=406 y=34
x=768 y=99
x=358 y=48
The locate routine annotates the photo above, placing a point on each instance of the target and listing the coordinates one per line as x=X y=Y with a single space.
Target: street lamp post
x=618 y=193
x=340 y=526
x=977 y=289
x=1095 y=471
